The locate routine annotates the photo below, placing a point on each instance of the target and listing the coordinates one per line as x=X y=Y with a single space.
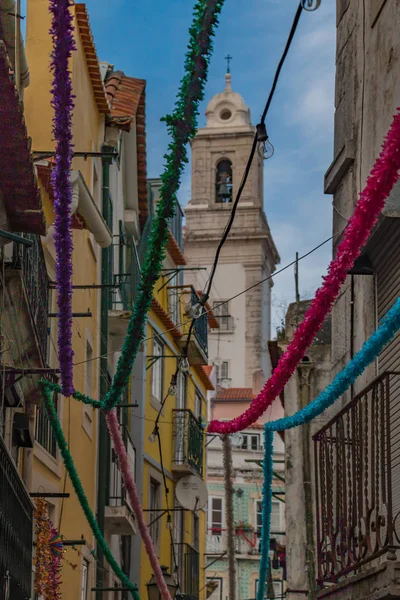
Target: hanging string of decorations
x=341 y=383
x=52 y=415
x=230 y=524
x=383 y=176
x=57 y=551
x=62 y=102
x=43 y=557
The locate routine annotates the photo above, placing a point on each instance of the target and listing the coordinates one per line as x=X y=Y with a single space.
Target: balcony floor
x=380 y=582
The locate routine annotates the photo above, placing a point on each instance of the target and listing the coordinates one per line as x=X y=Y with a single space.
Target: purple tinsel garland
x=63 y=44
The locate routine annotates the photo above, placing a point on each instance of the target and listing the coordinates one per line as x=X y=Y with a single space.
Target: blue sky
x=148 y=40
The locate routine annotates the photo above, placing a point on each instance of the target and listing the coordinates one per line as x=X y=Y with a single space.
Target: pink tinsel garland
x=130 y=486
x=380 y=182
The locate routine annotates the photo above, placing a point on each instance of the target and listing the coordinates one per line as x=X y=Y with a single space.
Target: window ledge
x=339 y=167
x=47 y=459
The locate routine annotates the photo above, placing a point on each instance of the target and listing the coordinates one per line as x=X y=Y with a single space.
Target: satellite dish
x=218 y=361
x=225 y=383
x=191 y=493
x=236 y=440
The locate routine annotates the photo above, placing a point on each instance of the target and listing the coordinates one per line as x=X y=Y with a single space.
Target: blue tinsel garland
x=343 y=380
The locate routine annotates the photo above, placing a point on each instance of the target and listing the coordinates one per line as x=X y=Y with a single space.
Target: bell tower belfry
x=220 y=153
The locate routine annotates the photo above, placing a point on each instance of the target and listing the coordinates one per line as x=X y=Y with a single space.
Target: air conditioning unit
x=14 y=396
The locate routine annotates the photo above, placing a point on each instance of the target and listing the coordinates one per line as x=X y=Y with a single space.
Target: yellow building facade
x=176 y=411
x=90 y=233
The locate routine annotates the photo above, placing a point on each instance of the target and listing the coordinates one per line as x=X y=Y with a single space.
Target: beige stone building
x=220 y=152
x=357 y=452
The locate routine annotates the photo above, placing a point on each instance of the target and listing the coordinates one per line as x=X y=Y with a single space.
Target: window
x=179 y=529
x=89 y=389
x=258 y=516
x=222 y=371
x=154 y=505
x=85 y=580
x=276 y=517
x=44 y=432
x=222 y=312
x=216 y=515
x=278 y=589
x=251 y=442
x=173 y=299
x=181 y=391
x=223 y=182
x=157 y=371
x=198 y=401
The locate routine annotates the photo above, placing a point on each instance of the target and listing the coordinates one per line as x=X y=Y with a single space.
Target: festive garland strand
x=62 y=102
x=340 y=384
x=55 y=387
x=130 y=486
x=380 y=182
x=228 y=473
x=74 y=477
x=57 y=550
x=43 y=557
x=182 y=126
x=266 y=512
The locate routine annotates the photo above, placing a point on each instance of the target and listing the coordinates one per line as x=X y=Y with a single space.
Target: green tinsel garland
x=70 y=466
x=55 y=387
x=181 y=125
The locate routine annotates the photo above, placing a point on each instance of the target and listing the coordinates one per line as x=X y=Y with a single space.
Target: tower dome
x=228 y=109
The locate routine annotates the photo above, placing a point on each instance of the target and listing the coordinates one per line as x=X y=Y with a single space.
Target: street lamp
x=152 y=588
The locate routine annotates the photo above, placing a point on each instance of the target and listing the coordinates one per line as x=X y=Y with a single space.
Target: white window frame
x=279 y=515
x=154 y=526
x=210 y=514
x=157 y=371
x=223 y=371
x=198 y=404
x=85 y=579
x=181 y=391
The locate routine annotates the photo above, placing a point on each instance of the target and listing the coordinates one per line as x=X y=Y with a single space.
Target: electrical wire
x=183 y=323
x=252 y=152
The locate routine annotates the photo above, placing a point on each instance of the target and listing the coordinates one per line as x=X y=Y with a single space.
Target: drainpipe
x=104 y=440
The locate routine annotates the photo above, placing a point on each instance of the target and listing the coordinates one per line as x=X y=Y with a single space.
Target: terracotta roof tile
x=212 y=320
x=202 y=373
x=235 y=394
x=127 y=98
x=174 y=251
x=165 y=319
x=124 y=95
x=92 y=61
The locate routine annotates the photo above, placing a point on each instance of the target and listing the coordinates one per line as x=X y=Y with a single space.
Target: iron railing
x=175 y=225
x=16 y=526
x=356 y=457
x=200 y=327
x=44 y=434
x=32 y=263
x=130 y=260
x=117 y=495
x=188 y=440
x=189 y=572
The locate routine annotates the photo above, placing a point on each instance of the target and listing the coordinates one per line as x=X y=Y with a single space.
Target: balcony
x=180 y=300
x=16 y=526
x=28 y=286
x=188 y=453
x=118 y=512
x=188 y=560
x=357 y=462
x=124 y=272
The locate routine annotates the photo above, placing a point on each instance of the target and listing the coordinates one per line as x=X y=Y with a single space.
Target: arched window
x=223 y=182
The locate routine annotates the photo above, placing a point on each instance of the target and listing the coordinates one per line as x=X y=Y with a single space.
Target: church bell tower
x=220 y=153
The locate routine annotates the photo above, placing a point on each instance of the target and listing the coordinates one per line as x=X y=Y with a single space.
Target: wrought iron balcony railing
x=117 y=494
x=357 y=455
x=188 y=442
x=31 y=262
x=16 y=526
x=189 y=572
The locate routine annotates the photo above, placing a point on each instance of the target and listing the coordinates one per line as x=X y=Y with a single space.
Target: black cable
x=283 y=58
x=252 y=152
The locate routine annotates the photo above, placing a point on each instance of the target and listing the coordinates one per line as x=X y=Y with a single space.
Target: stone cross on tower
x=228 y=59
